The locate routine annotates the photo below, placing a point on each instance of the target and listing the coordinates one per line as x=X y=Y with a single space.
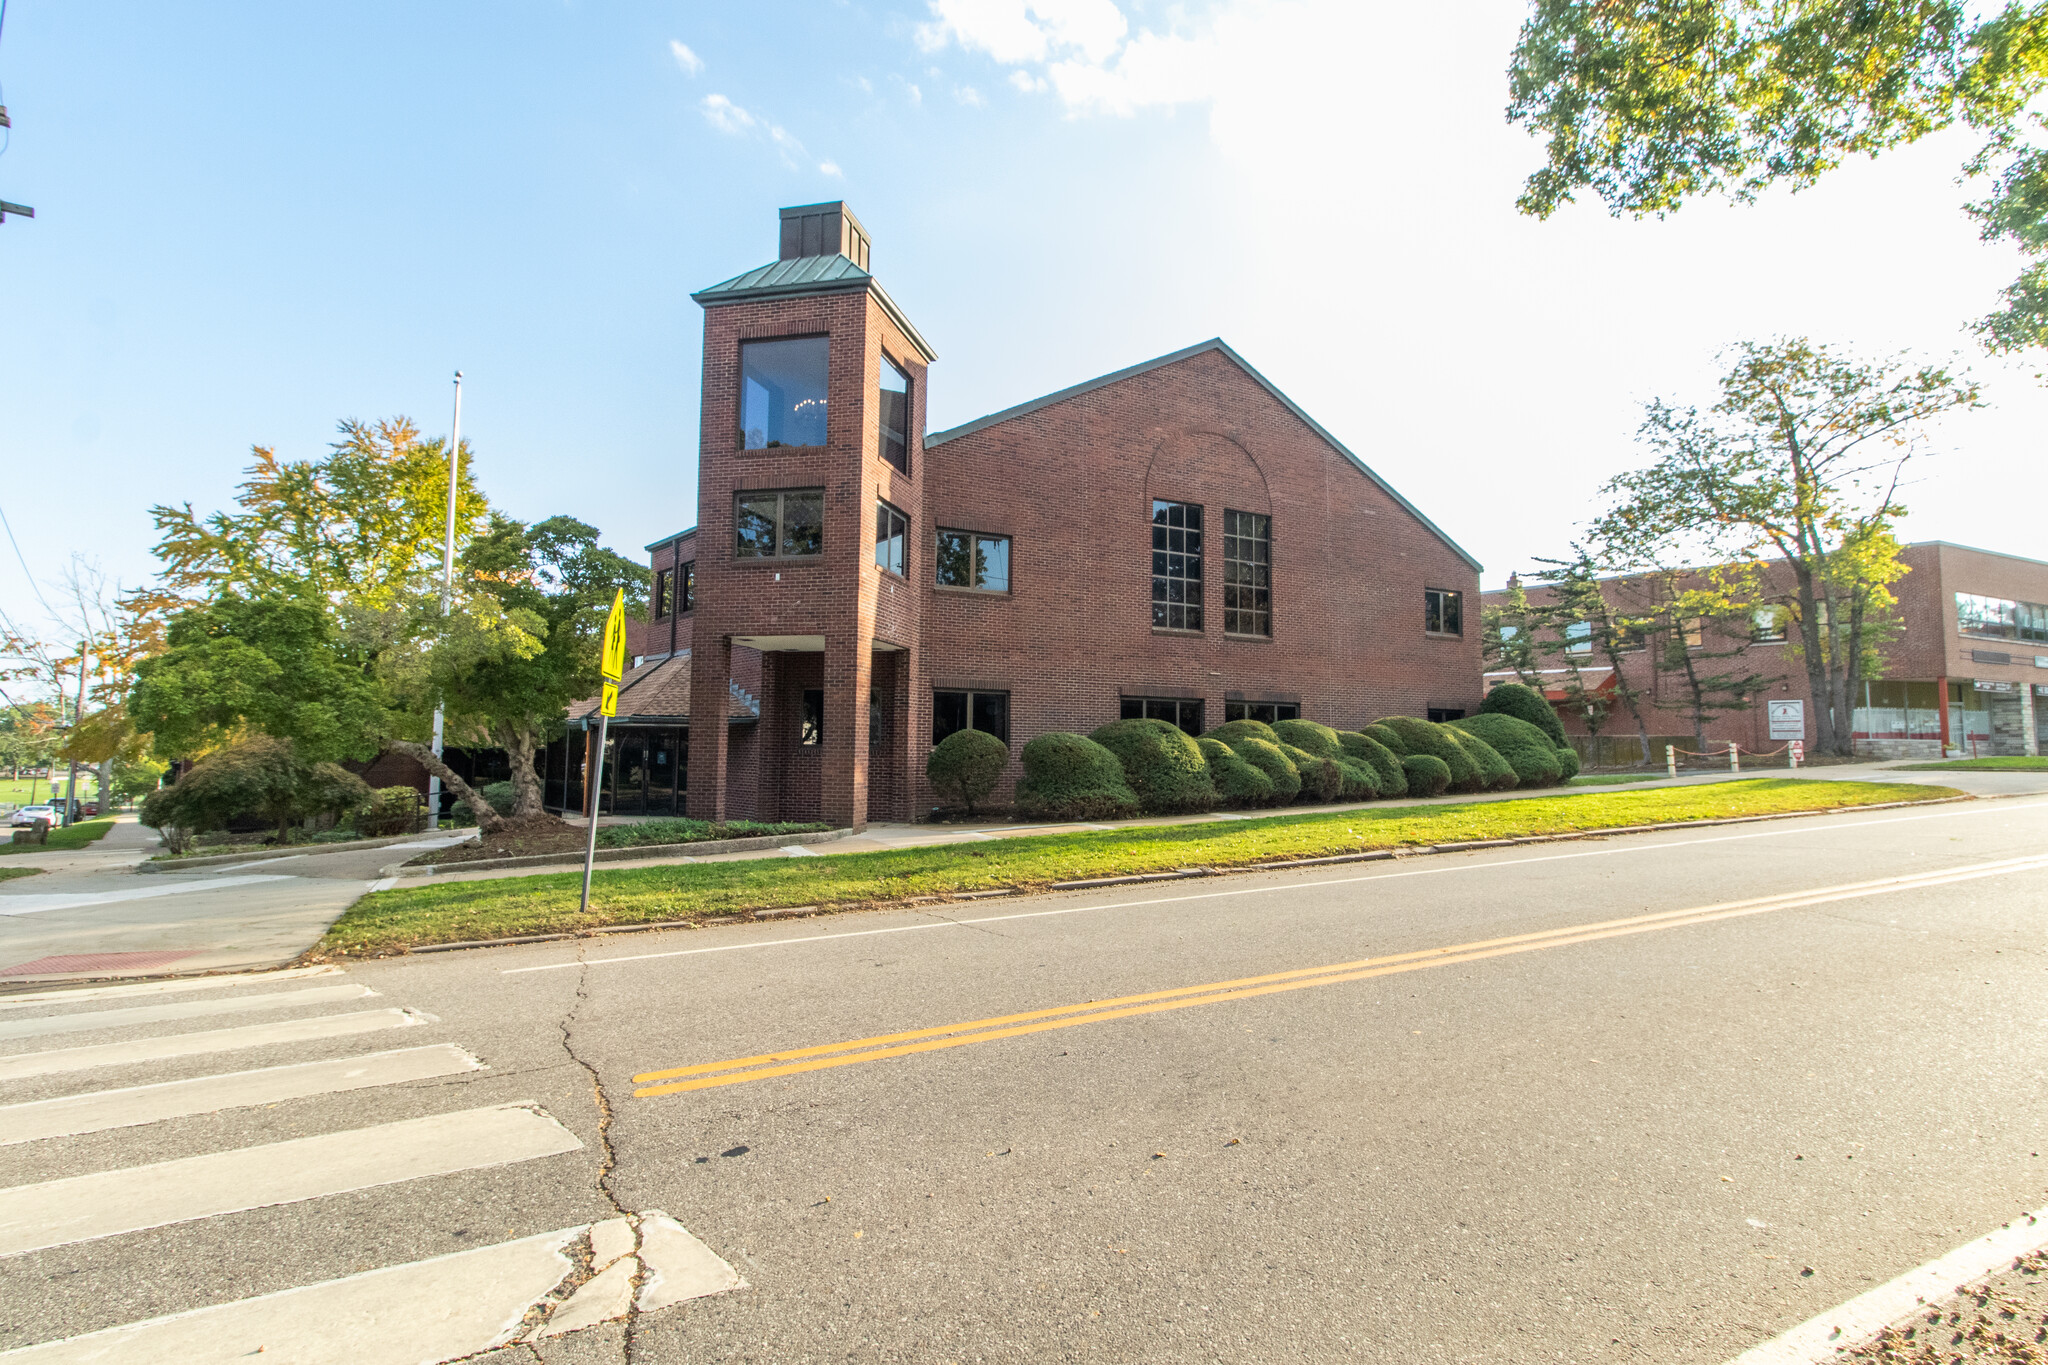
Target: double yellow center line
x=738 y=1070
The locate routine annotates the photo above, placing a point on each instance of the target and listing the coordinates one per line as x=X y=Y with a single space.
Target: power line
x=17 y=544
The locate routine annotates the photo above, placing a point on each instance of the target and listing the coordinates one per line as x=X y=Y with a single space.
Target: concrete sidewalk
x=884 y=836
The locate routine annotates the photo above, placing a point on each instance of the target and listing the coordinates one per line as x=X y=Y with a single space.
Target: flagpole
x=447 y=589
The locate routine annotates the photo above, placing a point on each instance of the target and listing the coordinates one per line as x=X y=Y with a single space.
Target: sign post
x=613 y=668
x=1787 y=718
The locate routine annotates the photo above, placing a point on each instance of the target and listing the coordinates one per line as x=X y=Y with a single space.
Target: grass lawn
x=9 y=873
x=78 y=836
x=454 y=911
x=1977 y=765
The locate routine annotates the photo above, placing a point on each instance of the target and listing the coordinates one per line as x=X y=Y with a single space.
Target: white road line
x=1438 y=867
x=184 y=1009
x=27 y=904
x=190 y=983
x=447 y=1308
x=441 y=1309
x=82 y=1208
x=1819 y=1338
x=319 y=1027
x=140 y=1104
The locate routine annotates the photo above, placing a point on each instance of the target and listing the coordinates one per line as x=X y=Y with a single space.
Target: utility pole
x=77 y=714
x=447 y=588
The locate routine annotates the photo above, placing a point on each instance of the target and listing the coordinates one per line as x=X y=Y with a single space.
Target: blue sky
x=254 y=220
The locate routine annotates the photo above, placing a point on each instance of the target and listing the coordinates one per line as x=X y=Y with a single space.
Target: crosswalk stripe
x=177 y=987
x=440 y=1309
x=446 y=1308
x=135 y=1105
x=109 y=1203
x=59 y=1060
x=186 y=1009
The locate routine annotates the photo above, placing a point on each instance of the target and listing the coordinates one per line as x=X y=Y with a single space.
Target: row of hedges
x=1130 y=767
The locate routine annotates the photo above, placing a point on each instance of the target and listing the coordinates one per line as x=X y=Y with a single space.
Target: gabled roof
x=1212 y=344
x=833 y=274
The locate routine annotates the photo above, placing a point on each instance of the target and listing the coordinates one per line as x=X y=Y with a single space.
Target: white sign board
x=1788 y=719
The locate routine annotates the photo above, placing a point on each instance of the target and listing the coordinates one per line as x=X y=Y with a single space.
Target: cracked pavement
x=1612 y=1146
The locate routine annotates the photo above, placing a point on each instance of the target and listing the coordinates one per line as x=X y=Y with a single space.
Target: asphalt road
x=1661 y=1139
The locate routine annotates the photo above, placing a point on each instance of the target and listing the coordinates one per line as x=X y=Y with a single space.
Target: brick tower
x=812 y=537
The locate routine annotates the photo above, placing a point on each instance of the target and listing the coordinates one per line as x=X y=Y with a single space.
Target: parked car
x=28 y=815
x=88 y=808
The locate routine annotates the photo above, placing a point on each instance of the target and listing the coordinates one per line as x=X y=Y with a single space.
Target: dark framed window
x=784 y=524
x=688 y=597
x=1767 y=625
x=782 y=393
x=2001 y=618
x=1186 y=712
x=988 y=712
x=1176 y=566
x=664 y=593
x=892 y=391
x=1440 y=714
x=811 y=729
x=1247 y=573
x=969 y=559
x=1578 y=638
x=1443 y=611
x=892 y=538
x=1267 y=711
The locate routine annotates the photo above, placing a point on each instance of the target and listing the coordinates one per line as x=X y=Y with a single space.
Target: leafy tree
x=1584 y=624
x=1649 y=104
x=1508 y=634
x=1802 y=458
x=367 y=522
x=1708 y=618
x=520 y=643
x=271 y=666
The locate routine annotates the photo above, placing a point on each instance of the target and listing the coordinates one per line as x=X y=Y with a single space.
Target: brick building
x=1970 y=662
x=1176 y=539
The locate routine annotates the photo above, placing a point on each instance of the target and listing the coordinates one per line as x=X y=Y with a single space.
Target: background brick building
x=1174 y=539
x=1971 y=662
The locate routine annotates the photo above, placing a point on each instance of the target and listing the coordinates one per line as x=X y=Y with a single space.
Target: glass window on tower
x=782 y=393
x=893 y=389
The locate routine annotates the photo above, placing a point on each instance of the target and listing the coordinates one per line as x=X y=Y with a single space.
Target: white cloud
x=1026 y=82
x=831 y=168
x=916 y=95
x=1013 y=31
x=969 y=96
x=726 y=116
x=689 y=61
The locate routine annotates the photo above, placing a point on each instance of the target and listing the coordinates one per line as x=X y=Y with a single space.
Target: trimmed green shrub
x=1496 y=772
x=1237 y=782
x=391 y=810
x=1319 y=740
x=260 y=776
x=1071 y=777
x=1231 y=731
x=1162 y=764
x=1387 y=739
x=1527 y=749
x=1384 y=762
x=965 y=766
x=1269 y=758
x=1321 y=778
x=1525 y=703
x=1567 y=764
x=1427 y=737
x=1426 y=774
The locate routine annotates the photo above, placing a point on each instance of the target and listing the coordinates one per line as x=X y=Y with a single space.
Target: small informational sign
x=1982 y=685
x=615 y=640
x=1787 y=718
x=608 y=700
x=1798 y=748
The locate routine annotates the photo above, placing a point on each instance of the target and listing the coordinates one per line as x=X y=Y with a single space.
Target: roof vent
x=824 y=230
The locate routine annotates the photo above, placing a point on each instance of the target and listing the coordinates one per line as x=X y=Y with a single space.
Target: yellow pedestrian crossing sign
x=615 y=644
x=608 y=699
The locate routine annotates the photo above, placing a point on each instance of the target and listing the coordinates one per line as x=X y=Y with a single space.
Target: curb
x=750 y=844
x=1182 y=874
x=264 y=855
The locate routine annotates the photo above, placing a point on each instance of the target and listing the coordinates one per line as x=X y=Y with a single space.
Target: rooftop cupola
x=824 y=230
